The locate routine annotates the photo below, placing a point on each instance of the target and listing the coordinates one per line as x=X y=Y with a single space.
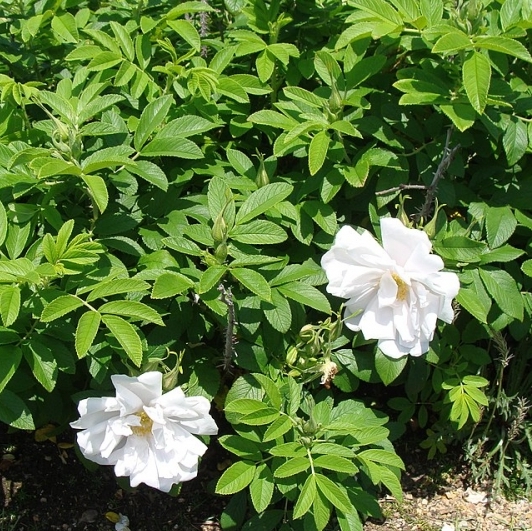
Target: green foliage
x=170 y=177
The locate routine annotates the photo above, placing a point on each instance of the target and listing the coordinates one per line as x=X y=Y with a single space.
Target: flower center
x=145 y=425
x=402 y=287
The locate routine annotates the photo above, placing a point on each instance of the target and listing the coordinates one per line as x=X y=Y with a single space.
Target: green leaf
x=59 y=307
x=317 y=151
x=500 y=225
x=336 y=463
x=460 y=249
x=186 y=31
x=380 y=9
x=211 y=277
x=462 y=115
x=476 y=76
x=278 y=428
x=452 y=42
x=9 y=304
x=14 y=412
x=42 y=363
x=86 y=331
x=240 y=162
x=270 y=388
x=261 y=488
x=291 y=449
x=3 y=223
x=292 y=467
x=503 y=45
x=258 y=232
x=387 y=368
x=117 y=286
x=185 y=126
x=469 y=299
x=170 y=285
x=278 y=313
x=65 y=28
x=97 y=190
x=136 y=310
x=10 y=357
x=262 y=200
x=526 y=267
x=126 y=335
x=306 y=497
x=335 y=493
x=307 y=295
x=124 y=40
x=503 y=288
x=273 y=118
x=254 y=282
x=236 y=478
x=104 y=61
x=172 y=147
x=383 y=457
x=242 y=447
x=152 y=116
x=505 y=253
x=515 y=140
x=392 y=483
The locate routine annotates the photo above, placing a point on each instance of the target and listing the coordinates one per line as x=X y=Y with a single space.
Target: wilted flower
x=144 y=433
x=395 y=292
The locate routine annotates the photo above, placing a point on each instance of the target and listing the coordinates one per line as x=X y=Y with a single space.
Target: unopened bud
x=262 y=178
x=335 y=101
x=291 y=355
x=219 y=230
x=220 y=253
x=307 y=333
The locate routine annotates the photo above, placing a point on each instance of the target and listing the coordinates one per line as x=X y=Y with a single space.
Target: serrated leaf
x=185 y=126
x=292 y=467
x=86 y=331
x=65 y=28
x=515 y=140
x=291 y=449
x=42 y=363
x=273 y=118
x=253 y=281
x=117 y=286
x=307 y=295
x=59 y=307
x=133 y=309
x=278 y=428
x=187 y=32
x=3 y=223
x=262 y=200
x=270 y=388
x=383 y=457
x=500 y=225
x=211 y=277
x=387 y=368
x=306 y=497
x=476 y=76
x=278 y=312
x=10 y=357
x=503 y=288
x=9 y=304
x=258 y=232
x=317 y=151
x=526 y=267
x=333 y=492
x=380 y=9
x=504 y=45
x=152 y=116
x=452 y=42
x=236 y=478
x=14 y=412
x=124 y=39
x=170 y=285
x=126 y=335
x=336 y=463
x=104 y=61
x=97 y=190
x=261 y=488
x=172 y=147
x=242 y=447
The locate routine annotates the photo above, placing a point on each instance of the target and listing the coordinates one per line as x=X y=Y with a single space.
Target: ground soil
x=46 y=487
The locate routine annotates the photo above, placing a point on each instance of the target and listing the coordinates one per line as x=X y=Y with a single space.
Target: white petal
x=400 y=241
x=133 y=393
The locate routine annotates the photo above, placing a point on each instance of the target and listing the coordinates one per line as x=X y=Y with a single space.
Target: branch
x=230 y=338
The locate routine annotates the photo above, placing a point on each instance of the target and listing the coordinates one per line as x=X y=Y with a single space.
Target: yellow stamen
x=402 y=287
x=145 y=425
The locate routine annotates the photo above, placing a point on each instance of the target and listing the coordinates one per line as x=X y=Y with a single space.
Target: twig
x=448 y=157
x=230 y=338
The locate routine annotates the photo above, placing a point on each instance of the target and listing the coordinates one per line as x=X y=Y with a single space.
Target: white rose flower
x=144 y=433
x=395 y=292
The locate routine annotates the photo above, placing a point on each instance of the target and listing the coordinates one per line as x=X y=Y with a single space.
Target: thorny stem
x=447 y=158
x=230 y=339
